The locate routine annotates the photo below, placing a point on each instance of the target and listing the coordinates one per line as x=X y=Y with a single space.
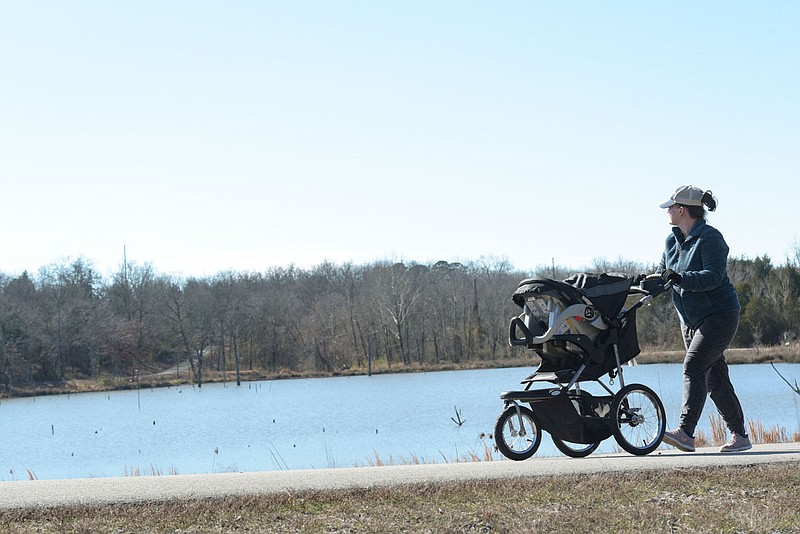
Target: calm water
x=312 y=423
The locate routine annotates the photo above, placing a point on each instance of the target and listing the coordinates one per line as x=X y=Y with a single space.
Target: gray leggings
x=705 y=372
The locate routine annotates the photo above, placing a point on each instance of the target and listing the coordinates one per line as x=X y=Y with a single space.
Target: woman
x=695 y=261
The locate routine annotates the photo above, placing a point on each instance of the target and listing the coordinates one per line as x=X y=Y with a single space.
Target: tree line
x=69 y=322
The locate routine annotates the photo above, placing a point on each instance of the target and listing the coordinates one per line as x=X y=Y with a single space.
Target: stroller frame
x=581 y=330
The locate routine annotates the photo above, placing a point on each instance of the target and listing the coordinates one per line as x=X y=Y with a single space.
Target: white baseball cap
x=686 y=195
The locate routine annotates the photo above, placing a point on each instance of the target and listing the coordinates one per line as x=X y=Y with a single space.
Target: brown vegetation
x=763 y=498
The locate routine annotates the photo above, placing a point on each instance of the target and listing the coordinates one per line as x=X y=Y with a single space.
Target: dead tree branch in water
x=794 y=387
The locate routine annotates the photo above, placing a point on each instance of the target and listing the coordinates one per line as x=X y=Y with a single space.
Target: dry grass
x=779 y=353
x=757 y=432
x=485 y=454
x=731 y=499
x=152 y=471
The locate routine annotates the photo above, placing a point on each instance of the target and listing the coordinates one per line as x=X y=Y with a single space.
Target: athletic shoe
x=679 y=439
x=737 y=443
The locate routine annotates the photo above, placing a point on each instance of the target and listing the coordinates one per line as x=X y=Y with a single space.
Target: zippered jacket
x=702 y=261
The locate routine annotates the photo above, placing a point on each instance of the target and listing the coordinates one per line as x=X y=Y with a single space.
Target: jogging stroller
x=581 y=331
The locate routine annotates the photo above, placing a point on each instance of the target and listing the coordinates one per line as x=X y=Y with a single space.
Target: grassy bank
x=164 y=378
x=782 y=353
x=763 y=498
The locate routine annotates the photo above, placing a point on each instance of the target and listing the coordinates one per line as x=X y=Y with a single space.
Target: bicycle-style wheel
x=638 y=419
x=517 y=433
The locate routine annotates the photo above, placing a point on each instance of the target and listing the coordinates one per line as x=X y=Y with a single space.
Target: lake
x=312 y=423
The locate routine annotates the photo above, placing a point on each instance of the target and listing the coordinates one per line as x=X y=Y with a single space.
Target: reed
x=377 y=461
x=757 y=432
x=153 y=471
x=486 y=452
x=415 y=460
x=701 y=440
x=719 y=431
x=719 y=435
x=486 y=455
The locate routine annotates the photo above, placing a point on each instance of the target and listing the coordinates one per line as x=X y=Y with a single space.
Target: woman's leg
x=705 y=346
x=724 y=396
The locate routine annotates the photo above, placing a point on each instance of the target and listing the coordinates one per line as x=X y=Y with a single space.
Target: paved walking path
x=39 y=493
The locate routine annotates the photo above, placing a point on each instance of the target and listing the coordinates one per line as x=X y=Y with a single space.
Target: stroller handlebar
x=649 y=290
x=652 y=287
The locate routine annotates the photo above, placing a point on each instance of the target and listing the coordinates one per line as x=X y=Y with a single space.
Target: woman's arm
x=711 y=270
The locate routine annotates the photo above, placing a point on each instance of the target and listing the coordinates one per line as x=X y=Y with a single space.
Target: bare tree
x=396 y=301
x=72 y=290
x=188 y=311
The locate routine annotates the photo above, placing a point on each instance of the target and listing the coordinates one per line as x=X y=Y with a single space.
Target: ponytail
x=699 y=212
x=709 y=201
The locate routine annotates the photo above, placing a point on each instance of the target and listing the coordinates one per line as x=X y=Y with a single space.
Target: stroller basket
x=578 y=417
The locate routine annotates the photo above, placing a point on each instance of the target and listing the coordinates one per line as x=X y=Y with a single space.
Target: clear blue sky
x=241 y=135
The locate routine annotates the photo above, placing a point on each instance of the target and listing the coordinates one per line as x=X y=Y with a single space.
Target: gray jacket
x=702 y=260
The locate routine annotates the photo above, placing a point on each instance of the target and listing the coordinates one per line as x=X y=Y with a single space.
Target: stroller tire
x=517 y=433
x=638 y=419
x=575 y=450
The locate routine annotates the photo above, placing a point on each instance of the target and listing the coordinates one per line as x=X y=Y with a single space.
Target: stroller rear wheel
x=575 y=450
x=638 y=419
x=517 y=433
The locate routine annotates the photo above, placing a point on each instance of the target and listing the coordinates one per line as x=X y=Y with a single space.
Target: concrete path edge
x=97 y=491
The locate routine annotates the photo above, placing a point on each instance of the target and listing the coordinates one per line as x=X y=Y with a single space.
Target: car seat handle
x=518 y=325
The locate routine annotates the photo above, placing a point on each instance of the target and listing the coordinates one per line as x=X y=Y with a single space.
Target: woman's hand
x=671 y=276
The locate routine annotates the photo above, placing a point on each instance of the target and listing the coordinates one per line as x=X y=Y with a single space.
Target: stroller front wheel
x=517 y=433
x=638 y=419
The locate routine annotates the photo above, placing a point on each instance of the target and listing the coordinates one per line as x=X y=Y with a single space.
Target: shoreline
x=166 y=378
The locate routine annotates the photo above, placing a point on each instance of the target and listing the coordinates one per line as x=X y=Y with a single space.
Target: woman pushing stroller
x=695 y=261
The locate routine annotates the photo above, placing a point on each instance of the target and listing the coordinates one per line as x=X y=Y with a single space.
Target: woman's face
x=675 y=213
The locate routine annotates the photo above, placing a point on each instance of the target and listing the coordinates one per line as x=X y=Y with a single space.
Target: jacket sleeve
x=712 y=268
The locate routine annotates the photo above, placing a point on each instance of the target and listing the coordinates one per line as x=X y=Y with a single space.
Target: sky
x=203 y=137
